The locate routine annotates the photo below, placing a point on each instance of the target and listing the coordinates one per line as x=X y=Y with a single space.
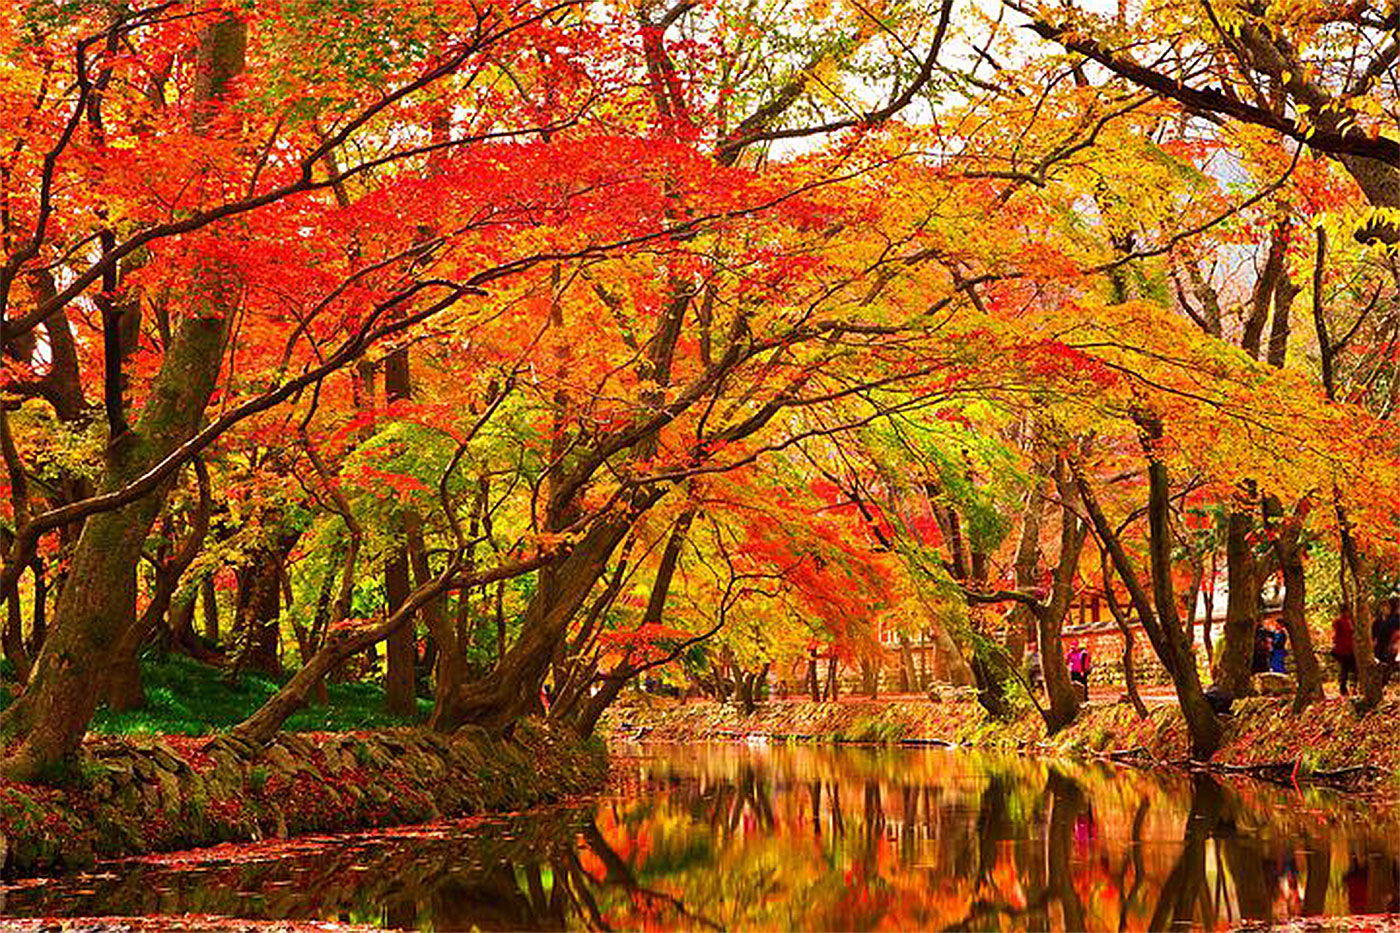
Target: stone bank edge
x=1262 y=733
x=142 y=795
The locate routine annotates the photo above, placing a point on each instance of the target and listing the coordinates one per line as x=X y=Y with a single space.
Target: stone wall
x=132 y=796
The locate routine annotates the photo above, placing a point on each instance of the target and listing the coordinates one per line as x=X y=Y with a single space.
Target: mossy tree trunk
x=258 y=609
x=512 y=688
x=94 y=609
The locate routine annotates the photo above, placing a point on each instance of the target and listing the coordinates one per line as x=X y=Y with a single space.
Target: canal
x=807 y=838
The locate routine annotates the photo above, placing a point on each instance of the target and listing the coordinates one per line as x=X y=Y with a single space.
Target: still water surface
x=741 y=838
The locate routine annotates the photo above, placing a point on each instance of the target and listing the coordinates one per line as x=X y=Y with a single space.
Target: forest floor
x=1263 y=736
x=187 y=697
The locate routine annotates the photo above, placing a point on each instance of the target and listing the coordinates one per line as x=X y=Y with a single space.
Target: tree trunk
x=341 y=645
x=594 y=706
x=257 y=614
x=400 y=694
x=13 y=638
x=1368 y=674
x=122 y=688
x=39 y=628
x=655 y=610
x=54 y=711
x=1200 y=718
x=1158 y=615
x=870 y=677
x=907 y=677
x=757 y=681
x=991 y=673
x=209 y=607
x=1208 y=597
x=400 y=651
x=450 y=632
x=1021 y=619
x=1295 y=622
x=501 y=697
x=181 y=619
x=1060 y=690
x=95 y=607
x=1120 y=618
x=1235 y=654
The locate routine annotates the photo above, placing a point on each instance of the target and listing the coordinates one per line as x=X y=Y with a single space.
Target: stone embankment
x=1328 y=741
x=133 y=796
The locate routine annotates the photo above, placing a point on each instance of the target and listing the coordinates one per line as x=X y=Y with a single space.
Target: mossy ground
x=186 y=697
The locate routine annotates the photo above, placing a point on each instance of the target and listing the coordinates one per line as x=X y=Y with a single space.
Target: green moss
x=185 y=697
x=874 y=729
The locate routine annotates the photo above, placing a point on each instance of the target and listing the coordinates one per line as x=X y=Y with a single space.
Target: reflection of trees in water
x=1185 y=889
x=495 y=899
x=1057 y=849
x=492 y=878
x=618 y=873
x=1028 y=848
x=1068 y=808
x=1129 y=901
x=831 y=841
x=1046 y=875
x=1257 y=862
x=723 y=804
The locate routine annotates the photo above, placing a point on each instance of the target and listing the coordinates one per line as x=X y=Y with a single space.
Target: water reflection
x=730 y=837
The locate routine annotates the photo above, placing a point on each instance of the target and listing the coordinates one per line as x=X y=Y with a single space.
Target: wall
x=136 y=796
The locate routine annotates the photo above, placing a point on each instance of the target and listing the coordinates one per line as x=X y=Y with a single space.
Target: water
x=734 y=837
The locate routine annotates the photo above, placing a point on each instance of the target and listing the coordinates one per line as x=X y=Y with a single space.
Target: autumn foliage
x=541 y=348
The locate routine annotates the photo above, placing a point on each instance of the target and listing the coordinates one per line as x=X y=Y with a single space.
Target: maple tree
x=577 y=340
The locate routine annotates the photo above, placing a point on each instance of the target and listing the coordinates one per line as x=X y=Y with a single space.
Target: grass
x=873 y=729
x=185 y=697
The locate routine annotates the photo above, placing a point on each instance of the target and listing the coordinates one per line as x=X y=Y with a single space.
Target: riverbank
x=140 y=795
x=1328 y=741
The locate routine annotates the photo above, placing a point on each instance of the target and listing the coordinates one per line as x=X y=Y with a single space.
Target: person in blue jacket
x=1278 y=640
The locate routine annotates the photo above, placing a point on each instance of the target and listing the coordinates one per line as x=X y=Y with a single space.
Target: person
x=1035 y=671
x=1344 y=648
x=1278 y=650
x=1384 y=629
x=1079 y=665
x=1263 y=645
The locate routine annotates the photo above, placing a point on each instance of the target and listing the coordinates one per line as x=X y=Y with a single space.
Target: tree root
x=1283 y=773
